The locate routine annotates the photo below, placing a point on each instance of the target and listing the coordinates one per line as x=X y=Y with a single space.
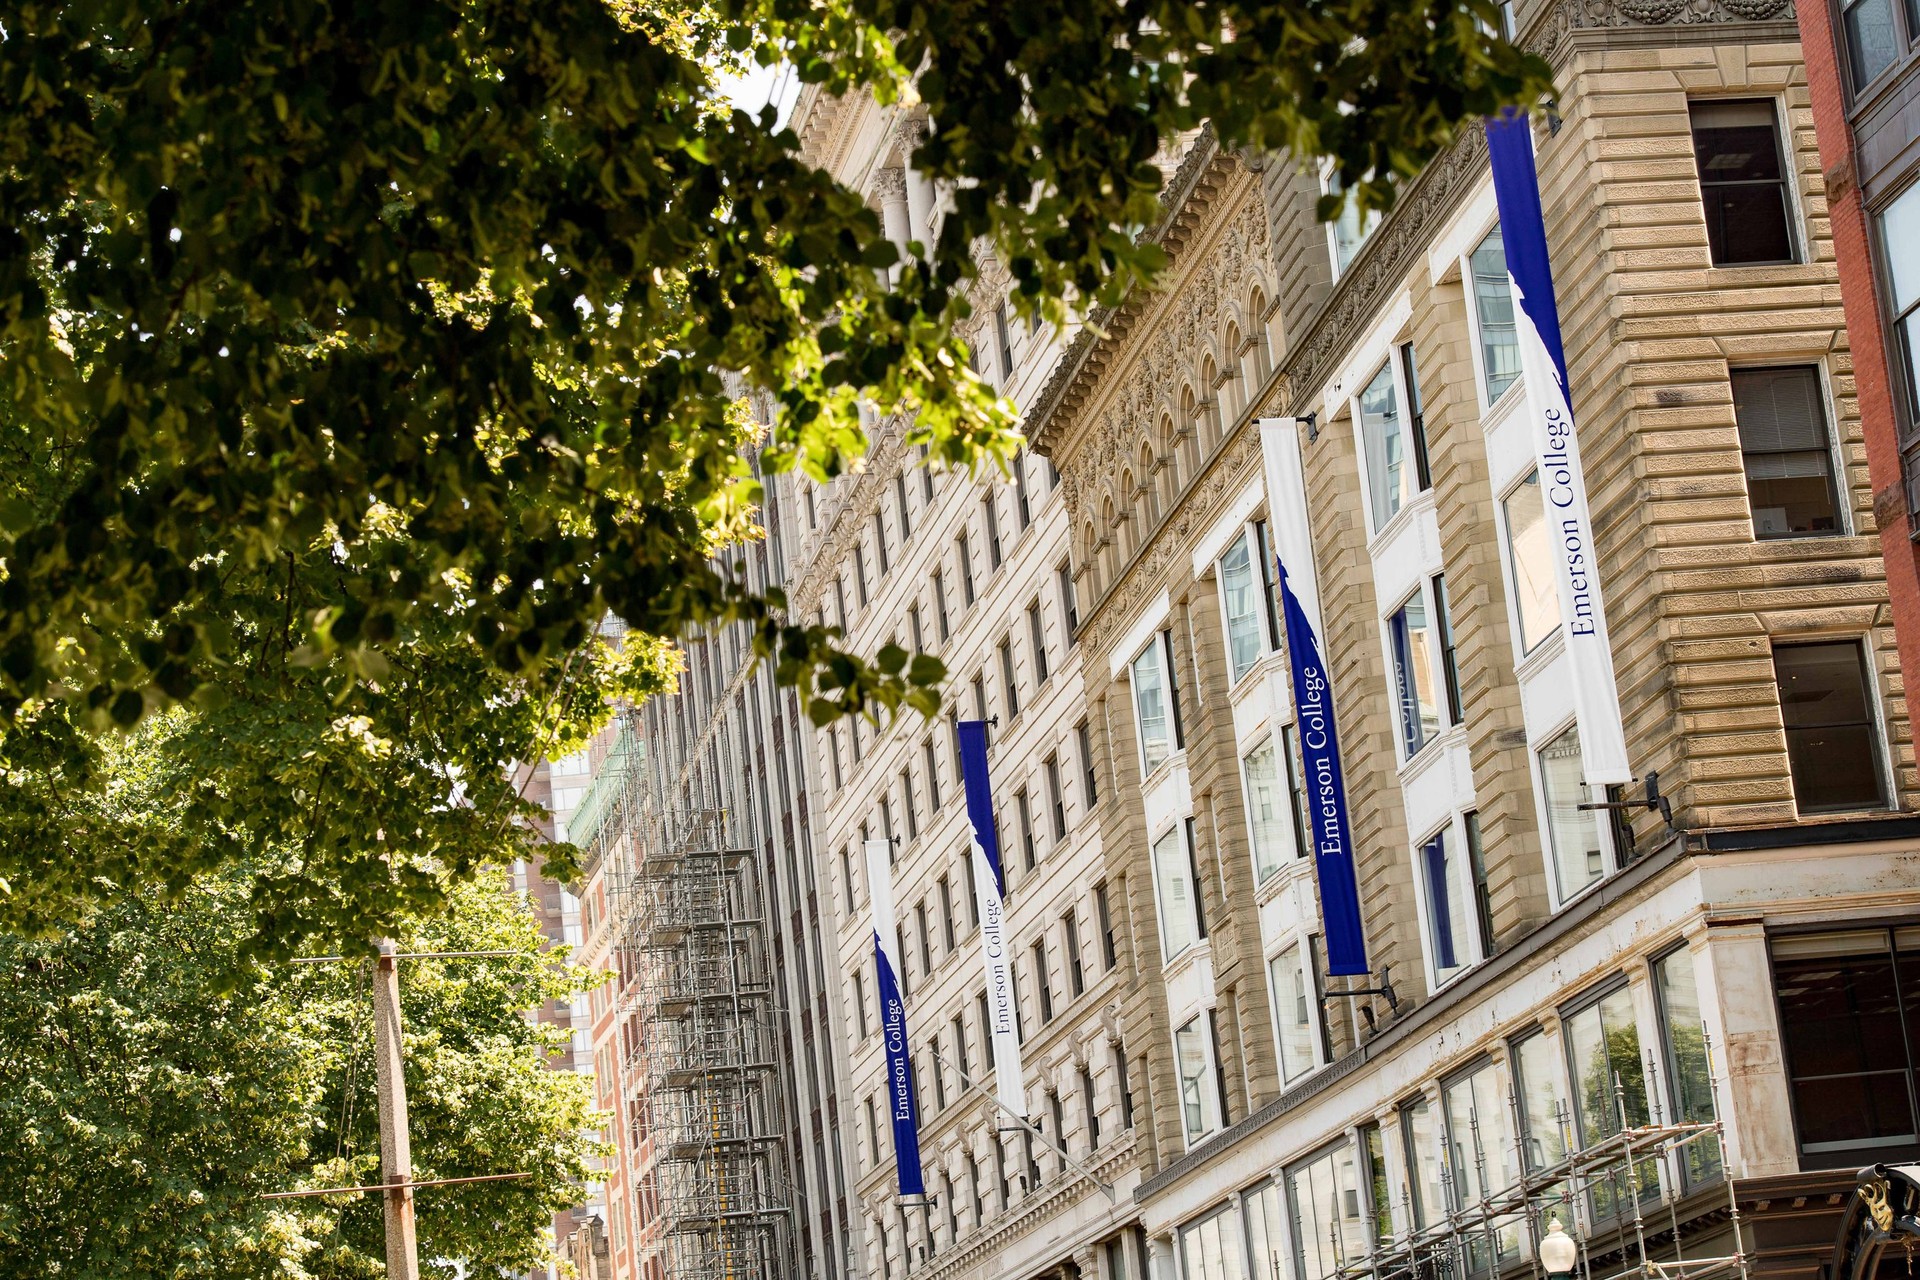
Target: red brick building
x=1863 y=73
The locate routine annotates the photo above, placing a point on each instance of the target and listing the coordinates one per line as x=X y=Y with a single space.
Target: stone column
x=891 y=187
x=1735 y=979
x=920 y=195
x=1160 y=1264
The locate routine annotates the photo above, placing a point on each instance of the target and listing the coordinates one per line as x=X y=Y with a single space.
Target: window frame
x=1838 y=487
x=1482 y=383
x=1399 y=663
x=1876 y=725
x=1178 y=833
x=1788 y=181
x=1245 y=543
x=1209 y=1101
x=1510 y=571
x=1160 y=647
x=1273 y=742
x=1301 y=948
x=1610 y=863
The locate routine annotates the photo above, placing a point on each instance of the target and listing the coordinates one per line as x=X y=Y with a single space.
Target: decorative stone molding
x=890 y=183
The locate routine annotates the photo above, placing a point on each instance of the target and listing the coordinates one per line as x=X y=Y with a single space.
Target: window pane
x=1329 y=1230
x=1573 y=835
x=1481 y=1154
x=1687 y=1070
x=1423 y=1161
x=1542 y=1109
x=1784 y=442
x=1210 y=1249
x=1412 y=639
x=1609 y=1077
x=1350 y=229
x=1536 y=596
x=1389 y=481
x=1190 y=1058
x=1493 y=304
x=1297 y=785
x=1900 y=237
x=1736 y=147
x=1173 y=873
x=1266 y=802
x=1292 y=1013
x=1243 y=609
x=1150 y=705
x=1847 y=1061
x=1265 y=1233
x=1832 y=741
x=1872 y=42
x=1448 y=924
x=1379 y=1192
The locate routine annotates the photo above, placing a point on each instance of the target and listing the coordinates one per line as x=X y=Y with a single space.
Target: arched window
x=1109 y=550
x=1232 y=388
x=1129 y=532
x=1210 y=407
x=1149 y=490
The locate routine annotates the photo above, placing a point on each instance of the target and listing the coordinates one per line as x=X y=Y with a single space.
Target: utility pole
x=396 y=1157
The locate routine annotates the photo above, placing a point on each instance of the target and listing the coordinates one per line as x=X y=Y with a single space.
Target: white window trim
x=1487 y=404
x=1304 y=941
x=1176 y=750
x=1609 y=856
x=1178 y=829
x=1210 y=1097
x=1270 y=738
x=1252 y=544
x=1466 y=949
x=1525 y=661
x=1436 y=663
x=1134 y=639
x=1403 y=404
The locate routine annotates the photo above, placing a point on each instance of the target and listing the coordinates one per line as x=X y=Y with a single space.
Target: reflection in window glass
x=1389 y=480
x=1379 y=1193
x=1266 y=1234
x=1688 y=1078
x=1609 y=1086
x=1536 y=596
x=1173 y=874
x=1242 y=602
x=1480 y=1153
x=1872 y=40
x=1493 y=307
x=1297 y=786
x=1579 y=857
x=1422 y=1144
x=1197 y=1105
x=1266 y=801
x=1900 y=244
x=1150 y=706
x=1543 y=1113
x=1292 y=1013
x=1412 y=640
x=1833 y=744
x=1787 y=451
x=1210 y=1248
x=1448 y=924
x=1325 y=1197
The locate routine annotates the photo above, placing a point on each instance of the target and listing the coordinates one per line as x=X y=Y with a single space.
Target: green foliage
x=154 y=1084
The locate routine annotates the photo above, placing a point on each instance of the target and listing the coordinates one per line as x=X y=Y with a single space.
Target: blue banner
x=1563 y=484
x=902 y=1109
x=1326 y=789
x=990 y=899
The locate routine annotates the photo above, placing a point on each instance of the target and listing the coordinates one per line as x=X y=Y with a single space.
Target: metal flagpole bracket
x=1651 y=801
x=1385 y=991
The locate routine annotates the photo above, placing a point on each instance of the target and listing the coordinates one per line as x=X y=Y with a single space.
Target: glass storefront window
x=1689 y=1080
x=1609 y=1078
x=1324 y=1195
x=1210 y=1248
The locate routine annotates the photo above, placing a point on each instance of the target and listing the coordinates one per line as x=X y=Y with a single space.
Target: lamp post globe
x=1558 y=1252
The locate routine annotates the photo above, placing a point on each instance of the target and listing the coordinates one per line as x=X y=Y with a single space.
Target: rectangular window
x=1787 y=451
x=980 y=697
x=1849 y=1016
x=940 y=604
x=1493 y=309
x=1241 y=602
x=973 y=889
x=1373 y=1168
x=1007 y=681
x=900 y=503
x=961 y=1060
x=1544 y=1117
x=1022 y=507
x=1449 y=655
x=1833 y=742
x=1210 y=1248
x=1173 y=875
x=992 y=510
x=1069 y=609
x=964 y=551
x=1324 y=1196
x=939 y=1075
x=1689 y=1078
x=1426 y=1192
x=1297 y=789
x=1199 y=1109
x=1293 y=1013
x=1004 y=341
x=1089 y=780
x=1109 y=953
x=1899 y=229
x=1482 y=890
x=880 y=541
x=1416 y=419
x=1265 y=1208
x=1873 y=38
x=1608 y=1072
x=946 y=913
x=1350 y=229
x=1126 y=1084
x=1411 y=642
x=924 y=923
x=1036 y=632
x=1743 y=182
x=1150 y=705
x=913 y=627
x=873 y=1131
x=860 y=1002
x=1536 y=596
x=860 y=574
x=1573 y=835
x=1267 y=830
x=1480 y=1151
x=1056 y=797
x=908 y=806
x=833 y=758
x=1447 y=921
x=931 y=764
x=1058 y=1115
x=1270 y=580
x=1089 y=1107
x=1389 y=478
x=1076 y=971
x=1023 y=811
x=1042 y=988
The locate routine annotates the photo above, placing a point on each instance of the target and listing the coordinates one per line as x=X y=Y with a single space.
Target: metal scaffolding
x=1619 y=1197
x=700 y=1064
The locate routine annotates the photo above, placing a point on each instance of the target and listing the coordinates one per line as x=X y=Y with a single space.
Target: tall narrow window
x=908 y=806
x=965 y=553
x=1179 y=909
x=1022 y=506
x=1689 y=1076
x=1042 y=988
x=1833 y=744
x=1447 y=920
x=1579 y=855
x=1420 y=1140
x=1023 y=810
x=1063 y=574
x=1103 y=912
x=1480 y=1150
x=1266 y=800
x=946 y=914
x=1543 y=1108
x=925 y=925
x=940 y=604
x=1292 y=1013
x=860 y=1002
x=846 y=876
x=1899 y=229
x=1482 y=891
x=973 y=891
x=1270 y=579
x=992 y=510
x=1411 y=641
x=1150 y=705
x=1009 y=686
x=930 y=764
x=1199 y=1108
x=939 y=1075
x=860 y=574
x=900 y=503
x=1076 y=971
x=1449 y=656
x=1004 y=339
x=1493 y=310
x=1536 y=596
x=1873 y=38
x=1037 y=635
x=1743 y=182
x=1787 y=451
x=962 y=1062
x=1373 y=1168
x=1324 y=1195
x=1090 y=1107
x=980 y=697
x=1056 y=797
x=1350 y=228
x=1297 y=790
x=913 y=627
x=1416 y=417
x=1126 y=1084
x=1241 y=602
x=1389 y=479
x=1090 y=782
x=880 y=541
x=1607 y=1066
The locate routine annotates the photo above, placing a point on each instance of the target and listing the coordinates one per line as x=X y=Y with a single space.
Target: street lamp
x=1558 y=1252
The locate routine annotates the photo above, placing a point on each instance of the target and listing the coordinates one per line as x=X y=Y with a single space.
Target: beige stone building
x=1732 y=985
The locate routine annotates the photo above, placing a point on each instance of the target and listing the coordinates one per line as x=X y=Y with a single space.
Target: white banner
x=1003 y=1025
